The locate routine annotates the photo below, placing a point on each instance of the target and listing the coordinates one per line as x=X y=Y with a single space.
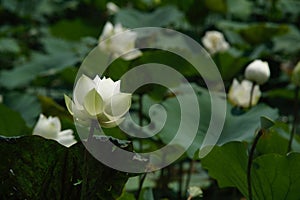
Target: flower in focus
x=214 y=42
x=124 y=43
x=258 y=71
x=50 y=128
x=99 y=99
x=239 y=93
x=112 y=8
x=296 y=75
x=194 y=191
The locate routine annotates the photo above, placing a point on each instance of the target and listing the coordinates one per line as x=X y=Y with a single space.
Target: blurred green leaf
x=27 y=105
x=161 y=17
x=50 y=107
x=260 y=33
x=60 y=55
x=286 y=93
x=285 y=43
x=241 y=10
x=40 y=65
x=37 y=9
x=9 y=45
x=230 y=63
x=11 y=122
x=255 y=33
x=234 y=38
x=216 y=5
x=126 y=196
x=146 y=194
x=69 y=75
x=290 y=8
x=74 y=29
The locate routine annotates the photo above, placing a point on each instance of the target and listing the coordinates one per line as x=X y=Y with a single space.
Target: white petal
x=119 y=28
x=214 y=42
x=106 y=88
x=69 y=104
x=107 y=31
x=118 y=105
x=117 y=87
x=97 y=80
x=132 y=55
x=111 y=124
x=93 y=103
x=47 y=128
x=239 y=94
x=112 y=8
x=83 y=86
x=39 y=127
x=67 y=132
x=66 y=138
x=55 y=122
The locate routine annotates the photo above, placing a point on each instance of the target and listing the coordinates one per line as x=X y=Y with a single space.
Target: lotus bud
x=258 y=71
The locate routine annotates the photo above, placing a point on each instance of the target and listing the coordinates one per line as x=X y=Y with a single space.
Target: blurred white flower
x=214 y=42
x=112 y=8
x=120 y=44
x=258 y=71
x=239 y=93
x=99 y=99
x=1 y=98
x=50 y=128
x=194 y=191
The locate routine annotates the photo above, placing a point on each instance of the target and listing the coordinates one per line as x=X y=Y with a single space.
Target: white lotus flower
x=120 y=44
x=112 y=8
x=258 y=71
x=50 y=128
x=214 y=42
x=239 y=93
x=99 y=99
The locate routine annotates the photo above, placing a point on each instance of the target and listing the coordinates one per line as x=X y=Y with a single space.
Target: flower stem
x=142 y=180
x=189 y=175
x=296 y=105
x=180 y=180
x=251 y=95
x=140 y=114
x=250 y=160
